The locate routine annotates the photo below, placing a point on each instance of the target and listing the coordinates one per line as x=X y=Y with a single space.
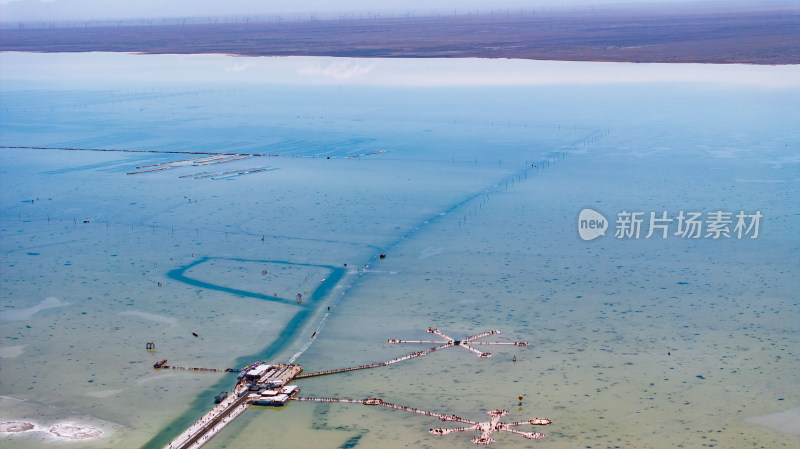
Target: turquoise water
x=473 y=195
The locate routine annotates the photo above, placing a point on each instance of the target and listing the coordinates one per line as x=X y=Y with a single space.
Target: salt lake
x=469 y=175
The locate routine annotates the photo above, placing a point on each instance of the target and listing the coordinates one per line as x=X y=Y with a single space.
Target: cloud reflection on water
x=301 y=70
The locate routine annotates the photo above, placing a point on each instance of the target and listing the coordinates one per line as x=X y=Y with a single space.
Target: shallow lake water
x=472 y=190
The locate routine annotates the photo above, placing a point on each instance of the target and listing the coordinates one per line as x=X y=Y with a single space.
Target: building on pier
x=275 y=398
x=263 y=375
x=256 y=372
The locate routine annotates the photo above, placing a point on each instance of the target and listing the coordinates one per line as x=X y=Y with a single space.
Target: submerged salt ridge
x=601 y=316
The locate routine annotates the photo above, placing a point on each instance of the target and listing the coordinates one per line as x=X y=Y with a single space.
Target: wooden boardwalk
x=485 y=428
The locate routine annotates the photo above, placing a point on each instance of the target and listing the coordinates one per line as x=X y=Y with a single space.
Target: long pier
x=484 y=428
x=371 y=365
x=382 y=403
x=212 y=422
x=255 y=385
x=263 y=384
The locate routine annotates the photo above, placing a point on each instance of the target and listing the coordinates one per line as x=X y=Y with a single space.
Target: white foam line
x=323 y=320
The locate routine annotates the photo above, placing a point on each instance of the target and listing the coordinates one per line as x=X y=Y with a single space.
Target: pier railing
x=371 y=365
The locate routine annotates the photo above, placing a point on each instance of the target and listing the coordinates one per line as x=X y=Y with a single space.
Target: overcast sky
x=54 y=10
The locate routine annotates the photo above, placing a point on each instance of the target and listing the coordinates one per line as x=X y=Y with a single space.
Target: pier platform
x=263 y=384
x=259 y=384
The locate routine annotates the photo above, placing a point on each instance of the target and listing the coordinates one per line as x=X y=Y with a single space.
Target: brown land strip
x=752 y=37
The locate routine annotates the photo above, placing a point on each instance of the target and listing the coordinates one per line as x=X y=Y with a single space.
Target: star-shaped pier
x=486 y=429
x=265 y=377
x=494 y=425
x=464 y=343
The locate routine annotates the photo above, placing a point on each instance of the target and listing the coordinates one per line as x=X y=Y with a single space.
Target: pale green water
x=475 y=239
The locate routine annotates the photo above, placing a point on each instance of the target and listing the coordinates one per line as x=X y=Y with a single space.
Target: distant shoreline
x=769 y=37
